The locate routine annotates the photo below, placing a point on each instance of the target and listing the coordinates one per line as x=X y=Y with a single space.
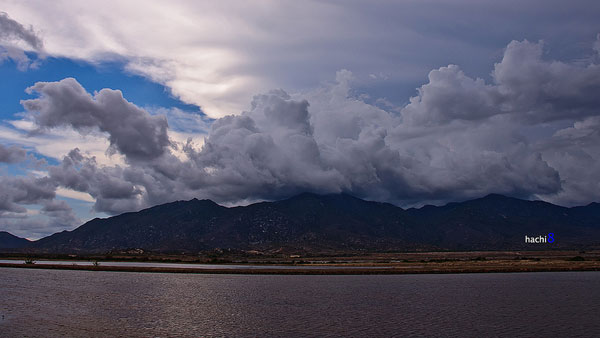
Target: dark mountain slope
x=313 y=222
x=10 y=241
x=497 y=221
x=589 y=215
x=163 y=227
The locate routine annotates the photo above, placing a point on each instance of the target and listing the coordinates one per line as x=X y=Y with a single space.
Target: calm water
x=53 y=303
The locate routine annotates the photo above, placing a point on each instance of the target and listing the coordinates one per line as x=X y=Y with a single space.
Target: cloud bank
x=217 y=55
x=459 y=138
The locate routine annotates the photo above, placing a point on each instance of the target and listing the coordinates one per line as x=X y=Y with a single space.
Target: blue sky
x=409 y=102
x=93 y=77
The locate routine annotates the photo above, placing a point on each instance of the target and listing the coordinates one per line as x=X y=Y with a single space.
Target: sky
x=114 y=106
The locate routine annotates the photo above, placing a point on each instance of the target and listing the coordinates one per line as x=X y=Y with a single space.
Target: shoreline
x=396 y=269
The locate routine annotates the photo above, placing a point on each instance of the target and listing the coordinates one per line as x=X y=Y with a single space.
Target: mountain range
x=329 y=223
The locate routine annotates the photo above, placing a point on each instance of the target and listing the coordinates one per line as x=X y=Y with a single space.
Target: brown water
x=54 y=303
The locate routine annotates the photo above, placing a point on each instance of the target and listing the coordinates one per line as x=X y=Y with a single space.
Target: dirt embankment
x=418 y=264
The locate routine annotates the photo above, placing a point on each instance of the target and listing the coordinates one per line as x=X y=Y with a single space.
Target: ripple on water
x=55 y=303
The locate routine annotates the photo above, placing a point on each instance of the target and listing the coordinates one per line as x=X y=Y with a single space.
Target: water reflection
x=97 y=303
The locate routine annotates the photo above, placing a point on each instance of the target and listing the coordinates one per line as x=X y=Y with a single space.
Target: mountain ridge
x=312 y=222
x=10 y=241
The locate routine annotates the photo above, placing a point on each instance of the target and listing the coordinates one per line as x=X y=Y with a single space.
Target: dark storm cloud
x=575 y=153
x=60 y=213
x=12 y=30
x=265 y=152
x=35 y=227
x=12 y=154
x=132 y=131
x=459 y=138
x=542 y=91
x=24 y=190
x=12 y=34
x=530 y=89
x=106 y=184
x=18 y=192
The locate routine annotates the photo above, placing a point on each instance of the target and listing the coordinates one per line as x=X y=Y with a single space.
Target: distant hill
x=500 y=222
x=340 y=222
x=9 y=241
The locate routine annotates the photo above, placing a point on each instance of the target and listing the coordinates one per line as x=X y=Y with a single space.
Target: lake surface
x=58 y=303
